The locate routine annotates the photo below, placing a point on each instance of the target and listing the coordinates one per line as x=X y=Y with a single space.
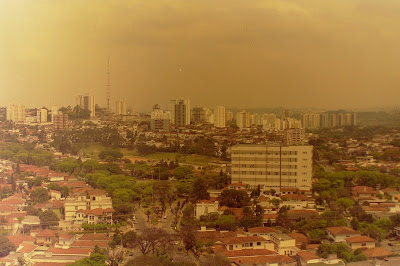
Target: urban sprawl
x=92 y=185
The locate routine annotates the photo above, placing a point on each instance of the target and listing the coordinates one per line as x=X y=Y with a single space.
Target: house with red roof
x=46 y=237
x=362 y=242
x=262 y=231
x=340 y=233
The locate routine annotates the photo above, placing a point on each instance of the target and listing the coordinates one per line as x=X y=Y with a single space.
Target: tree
x=226 y=222
x=234 y=198
x=316 y=235
x=48 y=218
x=95 y=259
x=249 y=219
x=40 y=195
x=199 y=192
x=182 y=172
x=188 y=237
x=5 y=246
x=216 y=260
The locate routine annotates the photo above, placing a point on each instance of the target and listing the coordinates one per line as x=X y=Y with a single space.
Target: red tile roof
x=359 y=239
x=377 y=252
x=70 y=251
x=95 y=237
x=342 y=230
x=90 y=244
x=307 y=256
x=18 y=239
x=27 y=248
x=47 y=233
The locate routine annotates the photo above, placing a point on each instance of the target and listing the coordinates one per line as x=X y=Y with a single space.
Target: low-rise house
x=272 y=260
x=297 y=201
x=244 y=242
x=284 y=244
x=269 y=219
x=363 y=242
x=65 y=240
x=307 y=257
x=265 y=232
x=46 y=237
x=211 y=236
x=377 y=253
x=340 y=233
x=300 y=239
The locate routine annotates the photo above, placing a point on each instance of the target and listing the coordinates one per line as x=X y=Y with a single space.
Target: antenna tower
x=108 y=87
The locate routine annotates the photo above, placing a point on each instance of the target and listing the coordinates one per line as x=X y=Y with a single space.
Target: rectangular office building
x=272 y=167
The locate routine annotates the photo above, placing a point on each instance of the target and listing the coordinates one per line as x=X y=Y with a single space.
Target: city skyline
x=341 y=54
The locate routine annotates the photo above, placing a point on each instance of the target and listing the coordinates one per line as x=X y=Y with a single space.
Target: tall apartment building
x=243 y=119
x=15 y=113
x=219 y=116
x=272 y=167
x=87 y=102
x=54 y=111
x=229 y=116
x=294 y=136
x=60 y=121
x=120 y=107
x=159 y=119
x=198 y=115
x=180 y=112
x=328 y=119
x=41 y=115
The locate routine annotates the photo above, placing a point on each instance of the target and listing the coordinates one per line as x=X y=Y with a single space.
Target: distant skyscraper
x=180 y=112
x=87 y=102
x=120 y=107
x=229 y=116
x=198 y=115
x=243 y=119
x=15 y=113
x=60 y=121
x=159 y=120
x=41 y=115
x=54 y=111
x=219 y=116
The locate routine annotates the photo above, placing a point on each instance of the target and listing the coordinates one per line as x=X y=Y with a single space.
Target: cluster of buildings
x=83 y=205
x=328 y=120
x=267 y=245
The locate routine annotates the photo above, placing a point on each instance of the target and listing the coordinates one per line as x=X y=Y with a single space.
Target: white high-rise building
x=272 y=166
x=15 y=113
x=180 y=112
x=87 y=102
x=120 y=107
x=54 y=111
x=219 y=116
x=41 y=115
x=243 y=119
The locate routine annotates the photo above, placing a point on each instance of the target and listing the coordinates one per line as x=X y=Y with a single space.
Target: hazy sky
x=258 y=53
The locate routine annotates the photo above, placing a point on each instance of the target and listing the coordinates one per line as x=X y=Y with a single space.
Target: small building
x=284 y=244
x=204 y=207
x=340 y=233
x=363 y=242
